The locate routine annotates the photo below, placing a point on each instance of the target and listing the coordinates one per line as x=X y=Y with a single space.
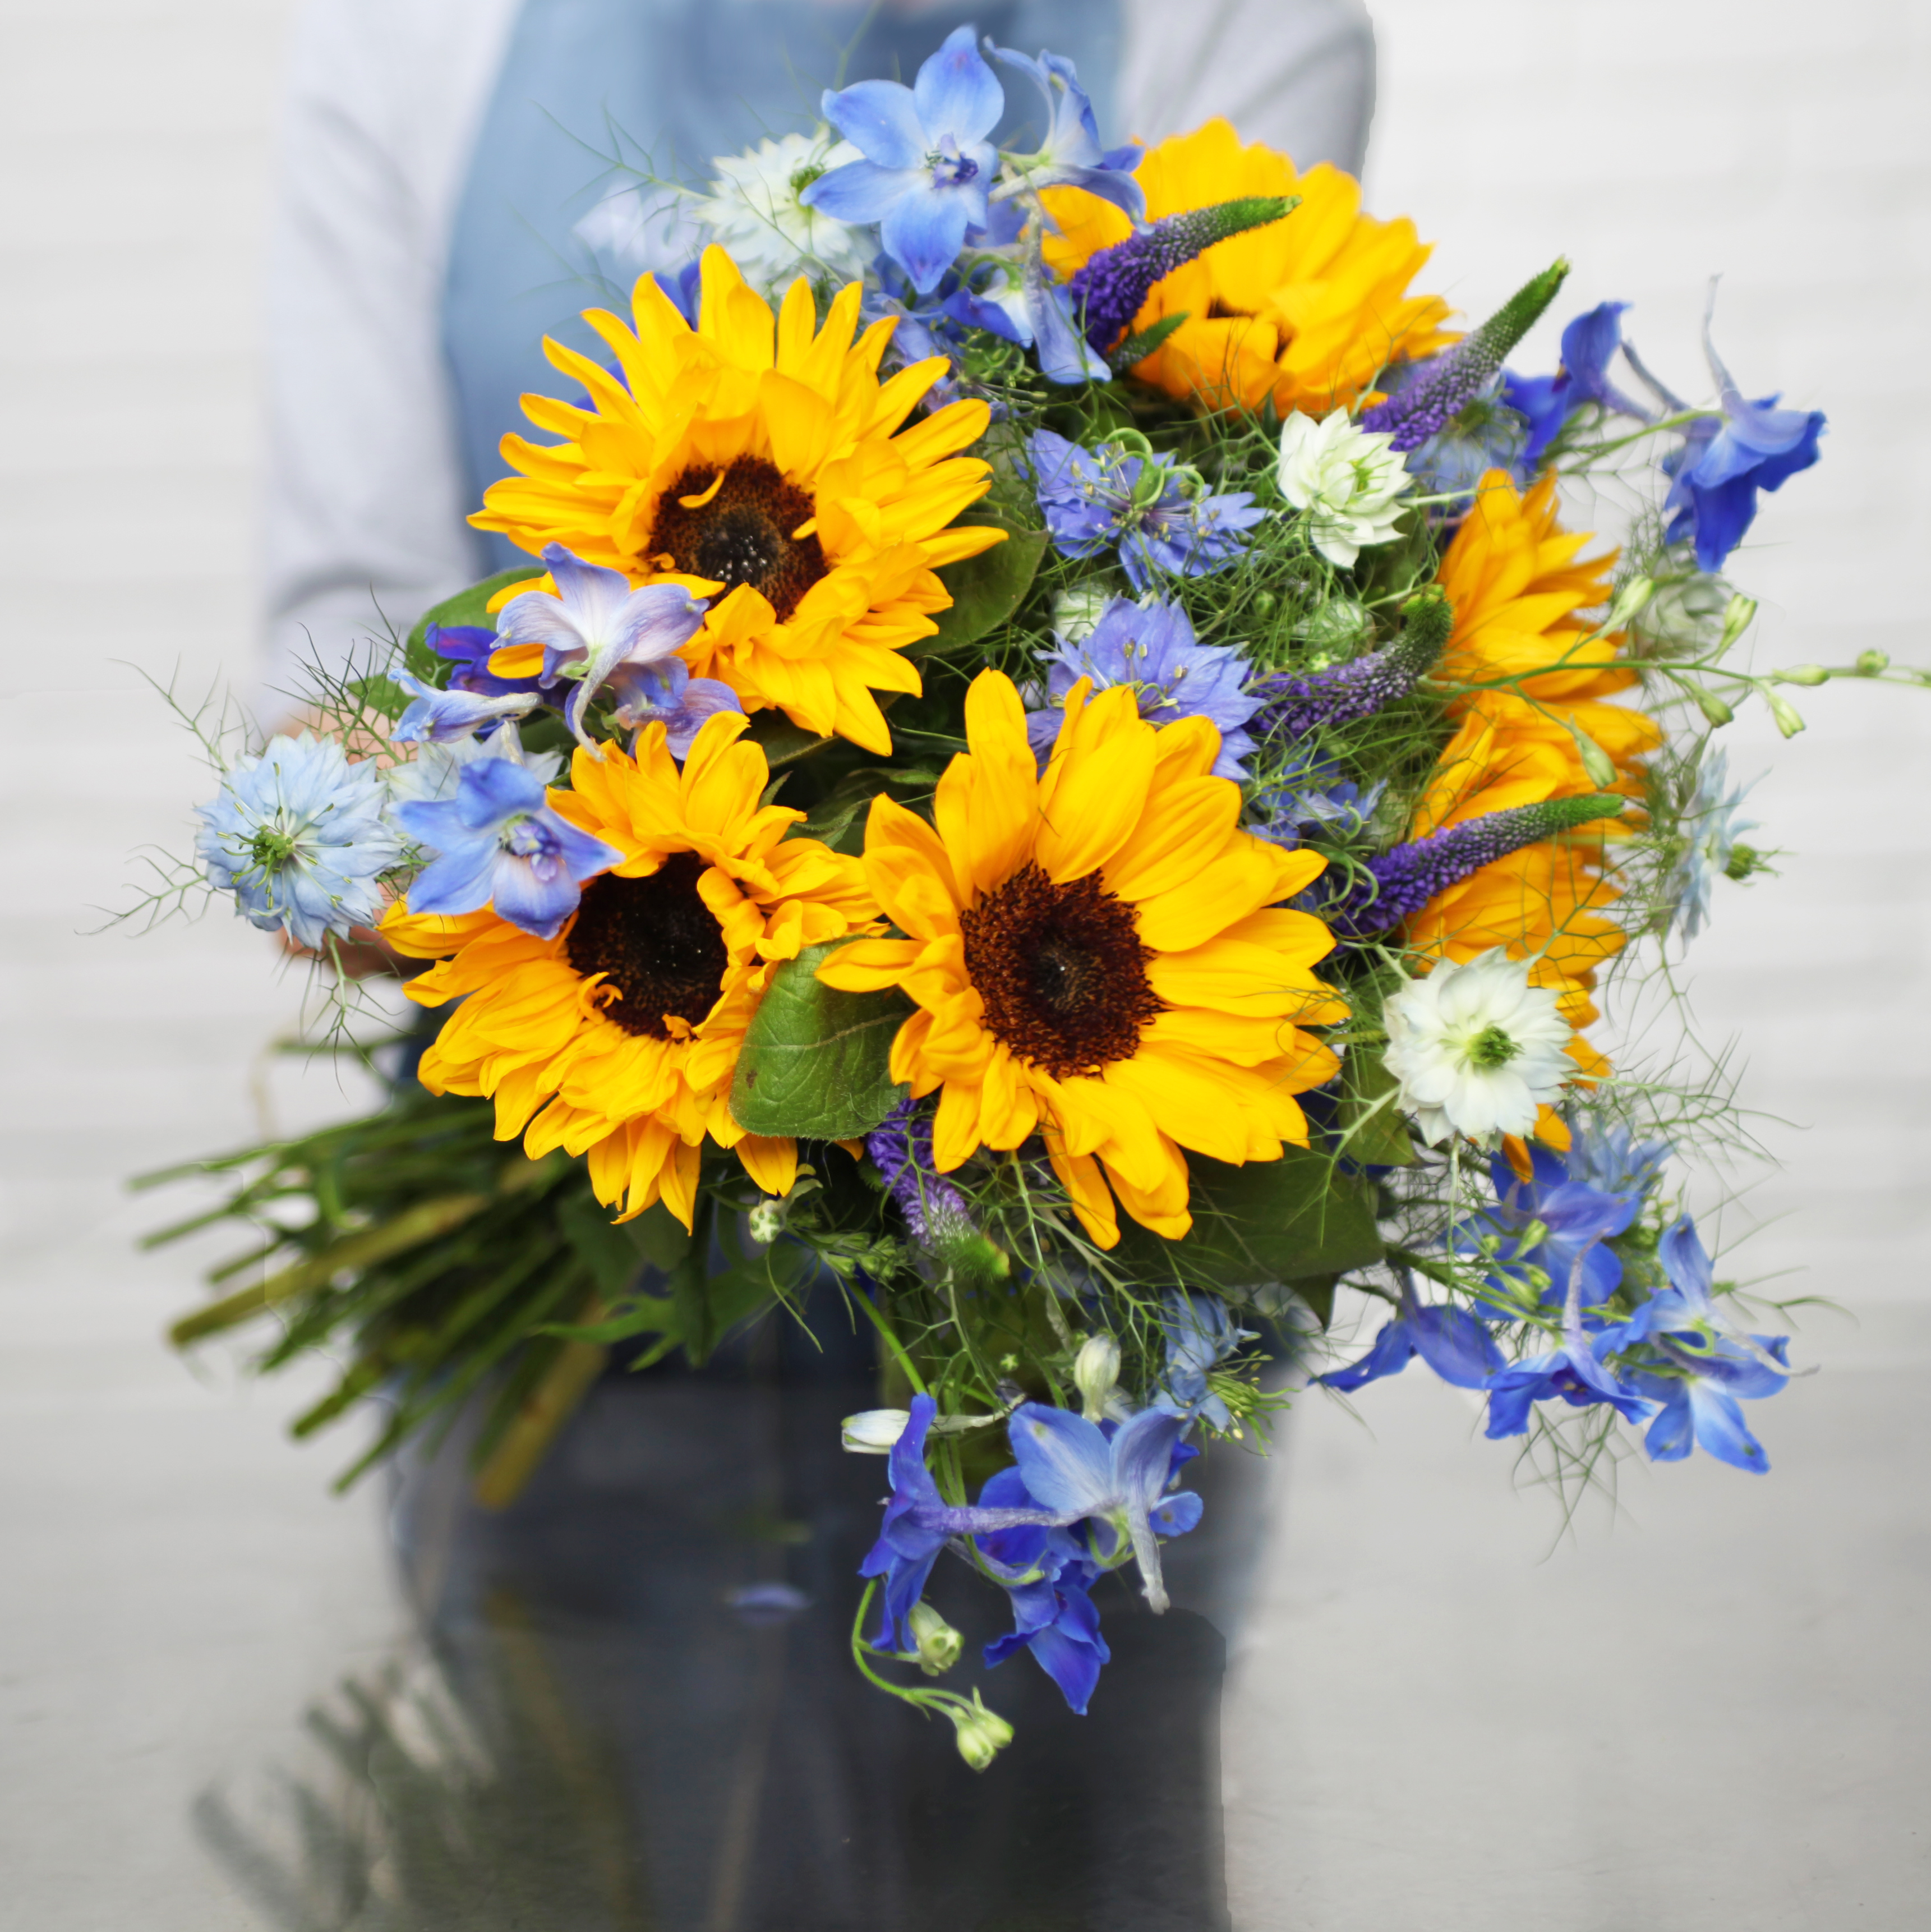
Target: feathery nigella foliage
x=1297 y=705
x=1402 y=881
x=1109 y=291
x=1441 y=390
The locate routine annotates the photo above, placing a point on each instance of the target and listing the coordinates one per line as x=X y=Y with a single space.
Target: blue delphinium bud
x=937 y=1642
x=982 y=1734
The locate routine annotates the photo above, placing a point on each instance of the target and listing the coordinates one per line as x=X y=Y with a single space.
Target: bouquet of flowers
x=1055 y=766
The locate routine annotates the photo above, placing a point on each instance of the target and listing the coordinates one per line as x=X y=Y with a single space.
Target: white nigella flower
x=1345 y=479
x=1477 y=1049
x=753 y=210
x=1076 y=611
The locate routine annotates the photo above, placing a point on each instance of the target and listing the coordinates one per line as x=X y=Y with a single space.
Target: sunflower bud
x=982 y=1734
x=938 y=1644
x=1097 y=1373
x=874 y=1432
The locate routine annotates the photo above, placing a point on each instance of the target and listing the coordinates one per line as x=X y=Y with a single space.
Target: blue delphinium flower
x=503 y=845
x=1453 y=1342
x=297 y=833
x=1201 y=1334
x=927 y=165
x=1589 y=344
x=440 y=717
x=919 y=1523
x=1152 y=646
x=1047 y=1579
x=1575 y=1370
x=1116 y=1482
x=595 y=623
x=1574 y=1218
x=470 y=648
x=1724 y=462
x=1706 y=1366
x=667 y=694
x=1095 y=499
x=1070 y=155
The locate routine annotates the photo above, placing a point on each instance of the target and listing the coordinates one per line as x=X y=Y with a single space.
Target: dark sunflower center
x=744 y=535
x=656 y=941
x=1062 y=971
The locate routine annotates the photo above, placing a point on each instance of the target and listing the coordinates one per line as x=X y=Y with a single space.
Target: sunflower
x=1306 y=311
x=757 y=459
x=1530 y=668
x=1097 y=954
x=618 y=1038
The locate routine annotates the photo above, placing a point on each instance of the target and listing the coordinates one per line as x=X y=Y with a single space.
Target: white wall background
x=1784 y=143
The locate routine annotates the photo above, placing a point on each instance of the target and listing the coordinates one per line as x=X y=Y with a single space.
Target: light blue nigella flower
x=595 y=623
x=927 y=165
x=919 y=1523
x=297 y=833
x=1116 y=1483
x=1201 y=1334
x=1152 y=646
x=440 y=717
x=1311 y=800
x=1094 y=500
x=503 y=845
x=1715 y=829
x=667 y=694
x=1706 y=1371
x=1071 y=156
x=1609 y=1157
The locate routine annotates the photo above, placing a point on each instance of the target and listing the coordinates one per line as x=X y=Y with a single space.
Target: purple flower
x=470 y=648
x=1071 y=156
x=596 y=622
x=926 y=164
x=667 y=694
x=503 y=845
x=439 y=717
x=1297 y=705
x=1093 y=500
x=1152 y=647
x=900 y=1147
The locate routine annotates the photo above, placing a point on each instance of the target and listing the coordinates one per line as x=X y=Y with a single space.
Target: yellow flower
x=758 y=460
x=1306 y=311
x=1514 y=579
x=618 y=1039
x=1097 y=954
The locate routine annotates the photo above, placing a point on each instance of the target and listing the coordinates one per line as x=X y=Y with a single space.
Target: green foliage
x=986 y=590
x=816 y=1061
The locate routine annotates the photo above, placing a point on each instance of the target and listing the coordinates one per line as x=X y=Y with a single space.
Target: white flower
x=1076 y=611
x=873 y=1431
x=1344 y=478
x=753 y=210
x=1713 y=828
x=1477 y=1049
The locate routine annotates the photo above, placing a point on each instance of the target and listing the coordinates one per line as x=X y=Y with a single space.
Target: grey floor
x=1707 y=1708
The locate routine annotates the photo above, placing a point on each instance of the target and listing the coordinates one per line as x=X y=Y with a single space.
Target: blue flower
x=1574 y=1218
x=1453 y=1342
x=470 y=648
x=1093 y=500
x=1704 y=1373
x=919 y=1523
x=1713 y=828
x=667 y=694
x=439 y=717
x=1063 y=354
x=1723 y=464
x=596 y=622
x=1047 y=1579
x=503 y=845
x=1200 y=1334
x=1311 y=799
x=1081 y=1474
x=297 y=833
x=1574 y=1371
x=1070 y=155
x=1610 y=1157
x=1589 y=345
x=927 y=165
x=1152 y=647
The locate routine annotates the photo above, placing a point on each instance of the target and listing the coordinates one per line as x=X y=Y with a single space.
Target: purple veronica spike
x=1438 y=390
x=1403 y=881
x=900 y=1147
x=1296 y=706
x=1112 y=286
x=501 y=844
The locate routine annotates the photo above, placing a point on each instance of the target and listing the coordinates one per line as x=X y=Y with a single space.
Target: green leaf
x=1269 y=1223
x=466 y=606
x=986 y=590
x=382 y=695
x=783 y=743
x=816 y=1061
x=1375 y=1131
